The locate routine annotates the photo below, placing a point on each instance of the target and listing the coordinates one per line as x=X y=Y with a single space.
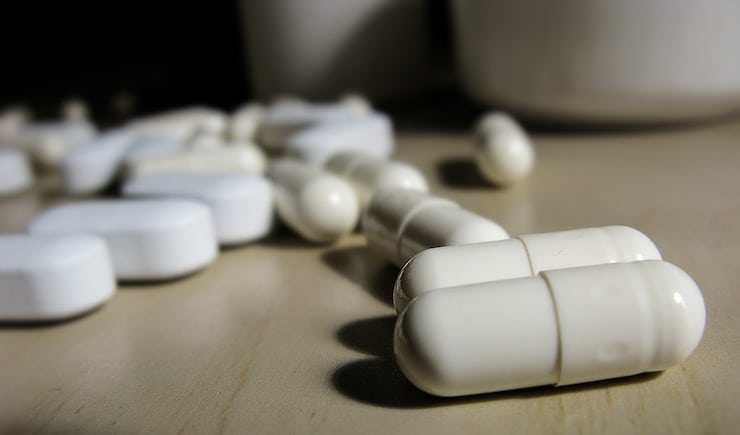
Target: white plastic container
x=601 y=61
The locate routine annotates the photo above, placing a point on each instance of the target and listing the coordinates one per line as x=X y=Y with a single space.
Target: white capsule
x=48 y=143
x=317 y=205
x=503 y=152
x=147 y=239
x=181 y=124
x=92 y=167
x=400 y=223
x=245 y=121
x=371 y=134
x=282 y=120
x=46 y=278
x=241 y=158
x=561 y=327
x=15 y=172
x=241 y=205
x=518 y=257
x=205 y=141
x=367 y=174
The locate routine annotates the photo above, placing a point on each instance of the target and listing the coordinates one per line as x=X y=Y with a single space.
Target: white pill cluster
x=478 y=311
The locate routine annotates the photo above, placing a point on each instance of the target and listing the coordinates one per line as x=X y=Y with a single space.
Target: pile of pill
x=478 y=311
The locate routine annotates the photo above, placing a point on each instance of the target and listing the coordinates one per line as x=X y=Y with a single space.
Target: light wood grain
x=286 y=337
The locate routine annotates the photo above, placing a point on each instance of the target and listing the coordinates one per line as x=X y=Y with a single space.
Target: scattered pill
x=48 y=143
x=12 y=121
x=400 y=223
x=357 y=101
x=45 y=278
x=150 y=146
x=370 y=134
x=560 y=327
x=15 y=172
x=245 y=121
x=147 y=239
x=241 y=205
x=241 y=158
x=522 y=256
x=92 y=167
x=368 y=174
x=503 y=152
x=205 y=141
x=75 y=109
x=317 y=205
x=181 y=124
x=288 y=117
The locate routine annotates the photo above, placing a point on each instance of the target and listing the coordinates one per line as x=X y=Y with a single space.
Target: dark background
x=138 y=56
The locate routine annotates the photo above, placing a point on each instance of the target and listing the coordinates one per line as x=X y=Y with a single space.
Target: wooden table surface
x=286 y=337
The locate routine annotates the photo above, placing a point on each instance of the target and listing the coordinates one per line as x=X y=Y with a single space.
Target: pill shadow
x=379 y=382
x=373 y=336
x=461 y=172
x=359 y=265
x=283 y=237
x=21 y=325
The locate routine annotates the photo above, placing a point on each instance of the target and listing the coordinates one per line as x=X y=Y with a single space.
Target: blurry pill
x=522 y=256
x=48 y=143
x=74 y=109
x=371 y=134
x=241 y=205
x=12 y=121
x=15 y=172
x=149 y=146
x=147 y=239
x=181 y=124
x=281 y=121
x=92 y=167
x=503 y=152
x=317 y=205
x=245 y=121
x=205 y=141
x=560 y=327
x=52 y=277
x=368 y=174
x=241 y=158
x=357 y=101
x=400 y=223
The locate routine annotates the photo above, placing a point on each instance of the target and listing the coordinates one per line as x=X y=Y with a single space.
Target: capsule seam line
x=557 y=321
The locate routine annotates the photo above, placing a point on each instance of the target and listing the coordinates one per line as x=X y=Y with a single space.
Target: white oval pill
x=558 y=328
x=288 y=117
x=503 y=152
x=317 y=205
x=400 y=223
x=181 y=124
x=242 y=158
x=522 y=256
x=147 y=239
x=150 y=146
x=52 y=277
x=92 y=167
x=241 y=205
x=15 y=172
x=367 y=174
x=371 y=134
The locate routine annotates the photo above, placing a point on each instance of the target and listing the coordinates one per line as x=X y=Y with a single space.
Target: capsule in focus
x=525 y=255
x=560 y=327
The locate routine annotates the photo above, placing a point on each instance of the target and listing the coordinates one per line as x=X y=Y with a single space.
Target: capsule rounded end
x=417 y=347
x=680 y=313
x=631 y=244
